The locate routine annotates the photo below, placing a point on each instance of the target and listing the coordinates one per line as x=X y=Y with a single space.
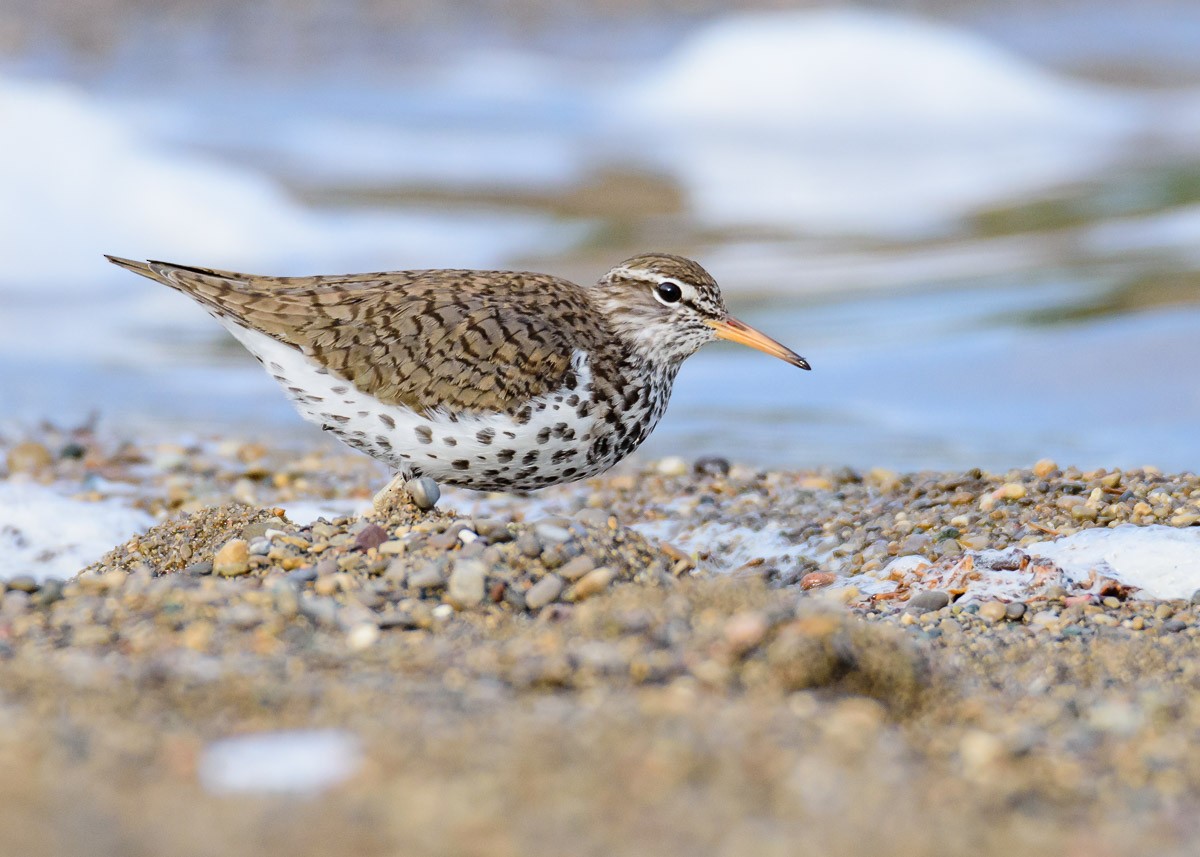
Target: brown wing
x=465 y=340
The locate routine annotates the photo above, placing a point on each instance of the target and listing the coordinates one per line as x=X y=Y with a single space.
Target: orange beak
x=734 y=331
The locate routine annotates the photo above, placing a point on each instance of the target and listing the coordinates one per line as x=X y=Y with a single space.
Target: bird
x=489 y=380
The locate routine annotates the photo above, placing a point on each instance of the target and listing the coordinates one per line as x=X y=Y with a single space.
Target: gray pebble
x=492 y=530
x=300 y=576
x=543 y=592
x=260 y=546
x=1196 y=597
x=1174 y=626
x=551 y=532
x=465 y=587
x=593 y=517
x=320 y=610
x=528 y=545
x=199 y=569
x=23 y=583
x=1014 y=611
x=424 y=492
x=427 y=576
x=927 y=601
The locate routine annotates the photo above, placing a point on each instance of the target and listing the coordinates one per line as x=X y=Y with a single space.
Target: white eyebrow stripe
x=688 y=291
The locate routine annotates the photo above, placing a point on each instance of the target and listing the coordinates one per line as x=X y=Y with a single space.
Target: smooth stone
x=1174 y=626
x=300 y=576
x=592 y=583
x=28 y=456
x=927 y=601
x=1014 y=611
x=543 y=592
x=370 y=536
x=232 y=559
x=427 y=576
x=576 y=568
x=492 y=530
x=551 y=532
x=23 y=583
x=465 y=587
x=424 y=492
x=993 y=611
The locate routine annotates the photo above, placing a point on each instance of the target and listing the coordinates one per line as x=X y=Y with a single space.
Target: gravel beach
x=678 y=658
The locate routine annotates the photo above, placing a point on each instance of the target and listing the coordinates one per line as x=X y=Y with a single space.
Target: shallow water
x=976 y=281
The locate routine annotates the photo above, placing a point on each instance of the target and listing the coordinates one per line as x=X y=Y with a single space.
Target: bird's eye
x=668 y=292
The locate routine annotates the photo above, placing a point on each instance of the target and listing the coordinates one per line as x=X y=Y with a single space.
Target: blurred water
x=985 y=261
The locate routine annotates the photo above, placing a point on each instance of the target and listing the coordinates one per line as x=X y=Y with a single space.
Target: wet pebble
x=927 y=601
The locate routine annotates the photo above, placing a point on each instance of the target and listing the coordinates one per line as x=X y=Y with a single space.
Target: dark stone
x=928 y=601
x=370 y=536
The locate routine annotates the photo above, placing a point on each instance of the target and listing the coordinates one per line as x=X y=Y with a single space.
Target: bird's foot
x=422 y=492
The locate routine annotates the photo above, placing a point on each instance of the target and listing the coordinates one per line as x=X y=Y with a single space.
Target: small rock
x=370 y=536
x=817 y=579
x=199 y=569
x=551 y=533
x=1174 y=626
x=594 y=517
x=494 y=531
x=1010 y=491
x=711 y=465
x=424 y=492
x=303 y=575
x=927 y=601
x=592 y=583
x=427 y=576
x=1044 y=468
x=362 y=636
x=466 y=585
x=745 y=630
x=1014 y=611
x=28 y=457
x=22 y=583
x=576 y=568
x=1196 y=597
x=543 y=592
x=993 y=611
x=672 y=466
x=232 y=559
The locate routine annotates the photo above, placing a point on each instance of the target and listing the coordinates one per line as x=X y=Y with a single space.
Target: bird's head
x=666 y=307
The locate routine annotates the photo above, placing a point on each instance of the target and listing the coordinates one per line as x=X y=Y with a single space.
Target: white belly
x=484 y=451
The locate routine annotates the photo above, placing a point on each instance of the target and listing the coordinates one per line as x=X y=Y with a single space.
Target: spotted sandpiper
x=492 y=380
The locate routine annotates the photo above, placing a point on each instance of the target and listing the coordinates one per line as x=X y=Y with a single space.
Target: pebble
x=672 y=466
x=362 y=636
x=1015 y=611
x=993 y=611
x=232 y=559
x=22 y=583
x=1174 y=625
x=927 y=601
x=465 y=587
x=28 y=457
x=817 y=579
x=424 y=492
x=544 y=592
x=576 y=568
x=427 y=576
x=592 y=583
x=370 y=536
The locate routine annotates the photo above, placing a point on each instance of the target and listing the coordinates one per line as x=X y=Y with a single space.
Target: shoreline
x=568 y=683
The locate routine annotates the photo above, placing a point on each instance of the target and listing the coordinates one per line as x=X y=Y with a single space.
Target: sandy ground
x=641 y=704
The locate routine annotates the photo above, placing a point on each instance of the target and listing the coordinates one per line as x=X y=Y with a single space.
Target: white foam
x=301 y=761
x=45 y=534
x=855 y=120
x=1162 y=562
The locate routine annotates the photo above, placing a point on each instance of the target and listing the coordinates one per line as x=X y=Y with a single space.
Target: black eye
x=668 y=292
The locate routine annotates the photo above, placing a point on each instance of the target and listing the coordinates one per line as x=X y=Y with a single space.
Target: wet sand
x=566 y=685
